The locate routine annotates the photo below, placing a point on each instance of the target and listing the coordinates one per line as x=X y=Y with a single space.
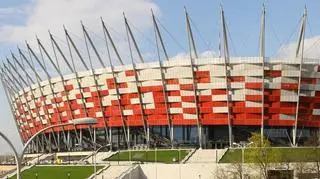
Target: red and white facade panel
x=95 y=94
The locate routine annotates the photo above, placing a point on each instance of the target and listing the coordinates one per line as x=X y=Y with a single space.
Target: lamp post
x=95 y=159
x=242 y=146
x=19 y=159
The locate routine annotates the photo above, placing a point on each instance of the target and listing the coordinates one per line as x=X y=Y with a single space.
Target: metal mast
x=107 y=37
x=163 y=80
x=300 y=46
x=158 y=34
x=262 y=55
x=226 y=62
x=192 y=48
x=145 y=122
x=132 y=38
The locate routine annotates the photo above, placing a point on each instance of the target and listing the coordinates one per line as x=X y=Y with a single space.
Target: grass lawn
x=164 y=156
x=283 y=155
x=58 y=172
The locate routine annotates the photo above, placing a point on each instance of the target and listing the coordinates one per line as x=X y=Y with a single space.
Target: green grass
x=283 y=155
x=58 y=172
x=163 y=156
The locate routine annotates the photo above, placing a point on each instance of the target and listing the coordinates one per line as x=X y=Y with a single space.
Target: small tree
x=237 y=169
x=314 y=142
x=261 y=155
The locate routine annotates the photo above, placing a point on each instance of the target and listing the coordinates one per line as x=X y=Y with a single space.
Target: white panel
x=178 y=72
x=174 y=99
x=188 y=105
x=253 y=79
x=149 y=74
x=220 y=86
x=290 y=73
x=204 y=92
x=316 y=112
x=287 y=117
x=223 y=109
x=253 y=104
x=134 y=101
x=288 y=98
x=128 y=112
x=185 y=81
x=221 y=97
x=190 y=116
x=89 y=105
x=186 y=93
x=99 y=114
x=172 y=87
x=147 y=97
x=205 y=85
x=149 y=106
x=175 y=110
x=151 y=83
x=253 y=92
x=237 y=85
x=238 y=97
x=64 y=113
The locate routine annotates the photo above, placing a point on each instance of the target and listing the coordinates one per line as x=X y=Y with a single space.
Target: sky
x=22 y=20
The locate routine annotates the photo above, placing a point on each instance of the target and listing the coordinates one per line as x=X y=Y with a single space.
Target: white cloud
x=47 y=14
x=204 y=54
x=42 y=15
x=311 y=48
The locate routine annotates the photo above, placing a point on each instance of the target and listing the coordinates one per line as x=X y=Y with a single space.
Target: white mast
x=226 y=64
x=262 y=55
x=300 y=46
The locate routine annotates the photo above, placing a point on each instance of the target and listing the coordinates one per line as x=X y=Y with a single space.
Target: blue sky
x=21 y=19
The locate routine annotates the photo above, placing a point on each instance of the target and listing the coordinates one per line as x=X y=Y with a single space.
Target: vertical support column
x=58 y=141
x=192 y=48
x=227 y=72
x=300 y=46
x=128 y=136
x=262 y=55
x=110 y=135
x=108 y=36
x=68 y=141
x=94 y=136
x=80 y=137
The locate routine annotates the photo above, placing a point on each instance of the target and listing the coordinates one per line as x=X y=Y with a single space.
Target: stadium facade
x=170 y=102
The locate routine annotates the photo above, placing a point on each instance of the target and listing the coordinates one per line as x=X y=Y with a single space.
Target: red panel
x=253 y=85
x=254 y=97
x=308 y=81
x=200 y=74
x=272 y=73
x=236 y=79
x=187 y=98
x=205 y=98
x=190 y=110
x=68 y=87
x=186 y=87
x=129 y=73
x=172 y=81
x=218 y=91
x=289 y=86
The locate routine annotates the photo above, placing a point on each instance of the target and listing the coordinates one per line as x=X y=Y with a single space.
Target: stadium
x=194 y=101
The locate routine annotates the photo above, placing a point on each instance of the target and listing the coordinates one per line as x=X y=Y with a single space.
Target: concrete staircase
x=100 y=156
x=206 y=156
x=113 y=171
